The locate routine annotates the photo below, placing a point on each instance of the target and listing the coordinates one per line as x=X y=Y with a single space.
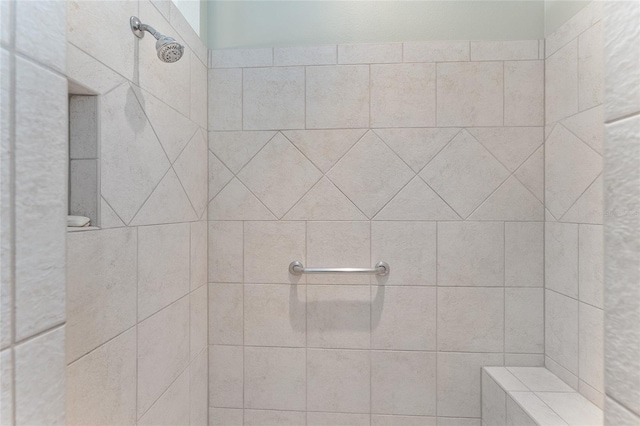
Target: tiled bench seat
x=530 y=396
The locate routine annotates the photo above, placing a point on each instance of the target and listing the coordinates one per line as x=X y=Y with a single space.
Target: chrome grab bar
x=297 y=268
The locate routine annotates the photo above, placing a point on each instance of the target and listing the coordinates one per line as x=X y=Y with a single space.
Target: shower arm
x=139 y=28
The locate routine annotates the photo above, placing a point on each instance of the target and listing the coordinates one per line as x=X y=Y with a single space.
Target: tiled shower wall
x=33 y=151
x=428 y=156
x=574 y=202
x=136 y=292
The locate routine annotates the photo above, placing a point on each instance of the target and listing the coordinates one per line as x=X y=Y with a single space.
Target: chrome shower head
x=169 y=50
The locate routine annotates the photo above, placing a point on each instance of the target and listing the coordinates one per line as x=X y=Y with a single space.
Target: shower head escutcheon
x=169 y=50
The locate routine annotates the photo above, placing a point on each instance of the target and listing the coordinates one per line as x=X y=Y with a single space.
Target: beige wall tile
x=226 y=376
x=225 y=314
x=225 y=251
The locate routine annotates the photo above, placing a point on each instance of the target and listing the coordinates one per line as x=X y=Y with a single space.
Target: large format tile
x=191 y=168
x=274 y=418
x=471 y=254
x=305 y=55
x=539 y=379
x=338 y=381
x=199 y=389
x=507 y=50
x=101 y=386
x=511 y=145
x=410 y=247
x=338 y=317
x=572 y=407
x=325 y=202
x=337 y=97
x=172 y=408
x=561 y=258
x=591 y=264
x=241 y=58
x=470 y=94
x=119 y=52
x=225 y=314
x=226 y=251
x=524 y=254
x=524 y=320
x=49 y=50
x=199 y=251
x=39 y=380
x=225 y=99
x=403 y=318
x=338 y=244
x=163 y=268
x=324 y=147
x=561 y=83
x=89 y=73
x=459 y=382
x=279 y=175
x=464 y=173
x=198 y=95
x=269 y=248
x=370 y=174
x=226 y=376
x=132 y=159
x=275 y=378
x=570 y=167
x=369 y=53
x=403 y=95
x=591 y=346
x=561 y=330
x=198 y=320
x=236 y=202
x=471 y=319
x=163 y=351
x=274 y=315
x=494 y=409
x=436 y=51
x=101 y=288
x=591 y=67
x=6 y=376
x=225 y=417
x=273 y=98
x=403 y=383
x=235 y=149
x=332 y=419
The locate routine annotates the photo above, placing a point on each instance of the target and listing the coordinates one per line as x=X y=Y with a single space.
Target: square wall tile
x=338 y=381
x=273 y=98
x=173 y=405
x=471 y=254
x=305 y=55
x=225 y=314
x=198 y=95
x=436 y=51
x=470 y=94
x=226 y=376
x=101 y=386
x=524 y=93
x=403 y=95
x=398 y=420
x=403 y=383
x=338 y=316
x=591 y=264
x=101 y=288
x=226 y=252
x=337 y=97
x=332 y=419
x=225 y=99
x=459 y=383
x=269 y=248
x=524 y=254
x=470 y=319
x=338 y=244
x=275 y=315
x=6 y=376
x=403 y=318
x=561 y=330
x=163 y=351
x=524 y=320
x=561 y=258
x=163 y=268
x=507 y=50
x=410 y=250
x=275 y=378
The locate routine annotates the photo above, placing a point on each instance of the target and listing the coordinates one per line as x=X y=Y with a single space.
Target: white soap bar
x=78 y=221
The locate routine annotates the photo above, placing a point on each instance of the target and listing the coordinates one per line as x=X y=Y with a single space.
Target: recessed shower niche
x=84 y=164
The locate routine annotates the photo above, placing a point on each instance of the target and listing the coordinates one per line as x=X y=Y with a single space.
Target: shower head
x=169 y=50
